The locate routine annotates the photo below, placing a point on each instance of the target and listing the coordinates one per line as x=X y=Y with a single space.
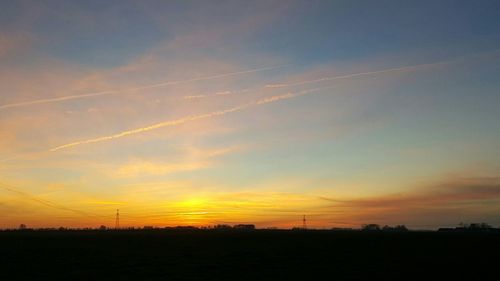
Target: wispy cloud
x=146 y=168
x=195 y=159
x=104 y=203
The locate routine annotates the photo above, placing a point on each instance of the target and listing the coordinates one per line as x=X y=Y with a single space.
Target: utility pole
x=304 y=224
x=117 y=220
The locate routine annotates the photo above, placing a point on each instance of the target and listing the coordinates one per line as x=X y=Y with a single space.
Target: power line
x=45 y=202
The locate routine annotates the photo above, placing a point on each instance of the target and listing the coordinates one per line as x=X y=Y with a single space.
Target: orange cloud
x=458 y=195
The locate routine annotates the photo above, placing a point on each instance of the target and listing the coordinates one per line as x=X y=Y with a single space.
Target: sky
x=228 y=112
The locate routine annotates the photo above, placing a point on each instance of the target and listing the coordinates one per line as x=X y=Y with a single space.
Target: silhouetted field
x=248 y=255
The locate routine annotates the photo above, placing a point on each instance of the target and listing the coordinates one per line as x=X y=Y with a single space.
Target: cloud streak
x=144 y=87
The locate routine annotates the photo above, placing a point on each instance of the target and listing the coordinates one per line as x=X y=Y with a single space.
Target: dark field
x=252 y=255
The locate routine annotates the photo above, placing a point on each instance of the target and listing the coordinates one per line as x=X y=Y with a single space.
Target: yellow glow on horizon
x=191 y=203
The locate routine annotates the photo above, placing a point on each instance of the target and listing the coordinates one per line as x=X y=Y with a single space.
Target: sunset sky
x=210 y=112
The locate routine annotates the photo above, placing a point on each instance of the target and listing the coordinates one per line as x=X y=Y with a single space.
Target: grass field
x=247 y=255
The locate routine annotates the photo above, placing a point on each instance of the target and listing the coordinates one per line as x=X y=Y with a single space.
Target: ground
x=247 y=255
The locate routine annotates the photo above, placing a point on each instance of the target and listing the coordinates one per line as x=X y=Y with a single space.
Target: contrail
x=220 y=93
x=149 y=128
x=207 y=77
x=26 y=103
x=396 y=69
x=192 y=97
x=352 y=75
x=45 y=202
x=112 y=92
x=180 y=121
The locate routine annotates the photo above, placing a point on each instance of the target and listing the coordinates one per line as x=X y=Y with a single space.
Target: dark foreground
x=252 y=255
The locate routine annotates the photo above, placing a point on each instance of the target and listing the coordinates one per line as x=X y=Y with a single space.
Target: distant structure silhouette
x=244 y=226
x=304 y=222
x=117 y=220
x=370 y=227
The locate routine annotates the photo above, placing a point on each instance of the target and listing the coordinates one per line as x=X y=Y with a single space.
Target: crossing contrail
x=144 y=87
x=288 y=95
x=187 y=119
x=207 y=77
